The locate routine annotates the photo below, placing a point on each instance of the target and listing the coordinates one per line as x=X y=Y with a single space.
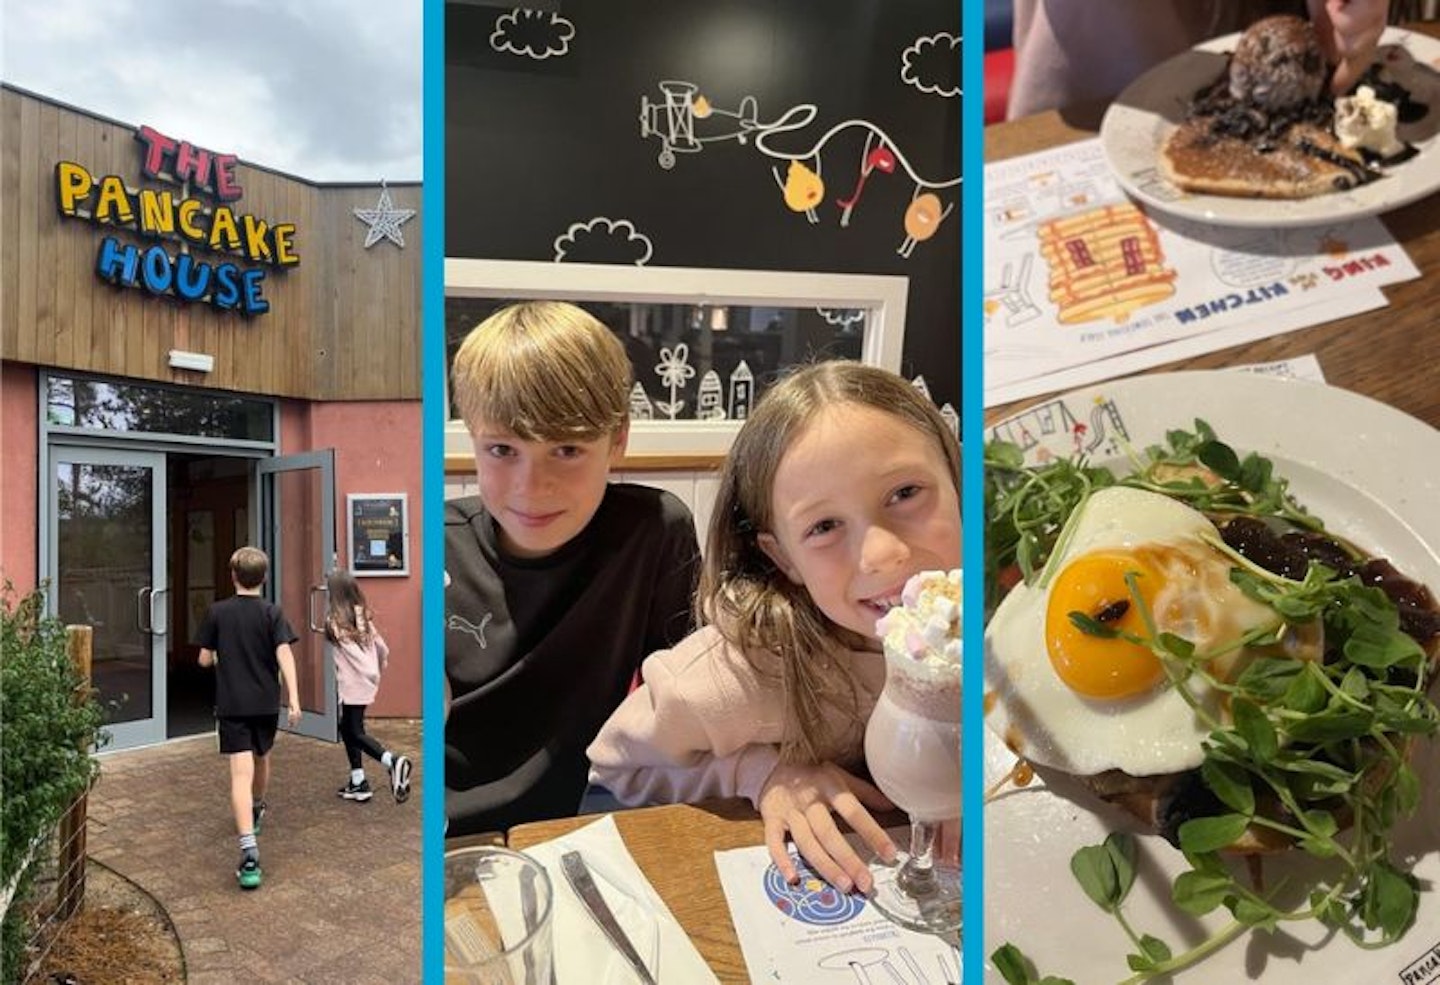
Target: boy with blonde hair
x=247 y=640
x=558 y=582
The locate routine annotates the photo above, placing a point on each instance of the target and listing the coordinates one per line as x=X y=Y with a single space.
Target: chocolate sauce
x=1228 y=117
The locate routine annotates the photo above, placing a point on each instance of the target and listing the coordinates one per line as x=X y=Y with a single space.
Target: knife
x=578 y=875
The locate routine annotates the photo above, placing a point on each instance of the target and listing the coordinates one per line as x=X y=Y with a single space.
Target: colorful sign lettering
x=236 y=239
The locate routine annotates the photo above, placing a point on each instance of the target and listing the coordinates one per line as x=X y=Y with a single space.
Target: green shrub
x=46 y=736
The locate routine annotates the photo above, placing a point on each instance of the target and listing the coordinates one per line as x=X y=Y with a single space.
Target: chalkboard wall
x=559 y=118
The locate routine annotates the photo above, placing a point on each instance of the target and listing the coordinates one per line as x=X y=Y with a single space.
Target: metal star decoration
x=384 y=220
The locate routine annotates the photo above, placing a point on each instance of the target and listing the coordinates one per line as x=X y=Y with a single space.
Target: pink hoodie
x=357 y=667
x=705 y=724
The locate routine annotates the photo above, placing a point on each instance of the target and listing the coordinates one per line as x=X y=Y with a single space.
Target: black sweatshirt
x=539 y=652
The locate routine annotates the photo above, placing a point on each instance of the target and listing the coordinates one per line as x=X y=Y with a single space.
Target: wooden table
x=1392 y=354
x=674 y=846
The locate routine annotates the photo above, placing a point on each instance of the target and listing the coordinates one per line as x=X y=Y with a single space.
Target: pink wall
x=377 y=450
x=19 y=511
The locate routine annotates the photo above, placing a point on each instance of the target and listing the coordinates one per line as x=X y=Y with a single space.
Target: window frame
x=883 y=297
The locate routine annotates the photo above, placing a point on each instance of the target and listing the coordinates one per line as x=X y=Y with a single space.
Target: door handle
x=143 y=615
x=316 y=626
x=155 y=594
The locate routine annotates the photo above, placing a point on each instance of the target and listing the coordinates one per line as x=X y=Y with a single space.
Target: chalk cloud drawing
x=603 y=240
x=842 y=316
x=932 y=65
x=532 y=34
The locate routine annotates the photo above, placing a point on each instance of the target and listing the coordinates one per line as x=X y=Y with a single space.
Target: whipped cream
x=925 y=627
x=1366 y=122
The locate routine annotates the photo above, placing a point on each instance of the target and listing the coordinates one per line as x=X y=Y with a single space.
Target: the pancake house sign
x=237 y=246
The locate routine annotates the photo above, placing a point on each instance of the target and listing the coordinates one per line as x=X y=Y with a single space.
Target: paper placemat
x=814 y=934
x=1075 y=273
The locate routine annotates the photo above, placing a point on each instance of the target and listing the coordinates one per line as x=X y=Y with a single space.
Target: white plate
x=1142 y=116
x=1373 y=474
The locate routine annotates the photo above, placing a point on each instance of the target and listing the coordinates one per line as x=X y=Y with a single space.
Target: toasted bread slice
x=1304 y=161
x=1162 y=803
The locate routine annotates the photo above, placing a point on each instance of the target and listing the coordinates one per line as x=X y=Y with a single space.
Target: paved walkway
x=341 y=897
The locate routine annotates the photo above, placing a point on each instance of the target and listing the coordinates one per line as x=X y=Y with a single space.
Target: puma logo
x=466 y=626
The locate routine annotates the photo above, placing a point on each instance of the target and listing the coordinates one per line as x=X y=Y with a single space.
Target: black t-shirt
x=539 y=652
x=244 y=631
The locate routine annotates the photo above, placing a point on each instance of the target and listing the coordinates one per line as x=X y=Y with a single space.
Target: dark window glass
x=140 y=408
x=697 y=362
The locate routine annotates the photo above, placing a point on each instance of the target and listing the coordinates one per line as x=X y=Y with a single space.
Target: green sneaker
x=248 y=875
x=257 y=813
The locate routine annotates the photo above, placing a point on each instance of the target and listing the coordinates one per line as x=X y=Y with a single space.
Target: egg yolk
x=1095 y=666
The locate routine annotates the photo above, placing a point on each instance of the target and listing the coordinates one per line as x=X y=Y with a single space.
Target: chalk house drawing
x=717 y=399
x=532 y=34
x=603 y=240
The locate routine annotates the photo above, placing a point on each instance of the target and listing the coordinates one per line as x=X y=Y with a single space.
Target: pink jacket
x=357 y=668
x=704 y=724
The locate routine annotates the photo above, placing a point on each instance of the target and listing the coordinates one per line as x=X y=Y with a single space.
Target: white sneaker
x=400 y=778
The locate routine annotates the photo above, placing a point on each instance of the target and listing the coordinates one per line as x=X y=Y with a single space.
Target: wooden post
x=70 y=893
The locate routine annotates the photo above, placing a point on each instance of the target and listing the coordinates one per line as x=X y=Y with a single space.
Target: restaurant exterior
x=200 y=353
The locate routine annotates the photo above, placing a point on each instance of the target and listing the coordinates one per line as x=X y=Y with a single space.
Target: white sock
x=387 y=759
x=357 y=777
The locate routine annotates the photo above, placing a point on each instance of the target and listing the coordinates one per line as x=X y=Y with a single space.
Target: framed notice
x=379 y=534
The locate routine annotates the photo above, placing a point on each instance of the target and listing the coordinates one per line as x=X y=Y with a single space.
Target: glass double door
x=109 y=563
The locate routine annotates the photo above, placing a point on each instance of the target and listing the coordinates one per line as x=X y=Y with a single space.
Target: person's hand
x=293 y=715
x=1349 y=32
x=800 y=800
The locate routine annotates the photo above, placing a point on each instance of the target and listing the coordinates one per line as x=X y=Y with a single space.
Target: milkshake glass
x=912 y=747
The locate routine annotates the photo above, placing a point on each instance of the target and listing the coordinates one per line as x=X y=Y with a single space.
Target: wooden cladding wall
x=343 y=325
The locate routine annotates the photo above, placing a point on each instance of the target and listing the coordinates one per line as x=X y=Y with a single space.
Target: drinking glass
x=498 y=917
x=912 y=746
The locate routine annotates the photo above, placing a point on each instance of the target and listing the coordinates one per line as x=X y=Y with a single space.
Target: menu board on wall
x=379 y=534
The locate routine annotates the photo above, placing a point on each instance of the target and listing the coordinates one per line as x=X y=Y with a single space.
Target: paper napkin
x=583 y=954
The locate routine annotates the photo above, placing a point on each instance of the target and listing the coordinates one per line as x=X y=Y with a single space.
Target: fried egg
x=1061 y=697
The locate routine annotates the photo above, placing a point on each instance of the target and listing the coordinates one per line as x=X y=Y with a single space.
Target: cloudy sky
x=328 y=90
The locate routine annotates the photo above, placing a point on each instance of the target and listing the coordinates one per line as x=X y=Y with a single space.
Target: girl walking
x=842 y=484
x=360 y=657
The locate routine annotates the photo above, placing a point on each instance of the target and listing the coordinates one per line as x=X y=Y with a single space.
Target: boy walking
x=558 y=582
x=247 y=640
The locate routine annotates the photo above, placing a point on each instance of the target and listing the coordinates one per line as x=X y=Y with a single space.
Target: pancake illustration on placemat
x=1104 y=263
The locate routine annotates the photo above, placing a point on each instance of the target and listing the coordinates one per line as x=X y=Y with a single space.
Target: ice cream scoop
x=1278 y=64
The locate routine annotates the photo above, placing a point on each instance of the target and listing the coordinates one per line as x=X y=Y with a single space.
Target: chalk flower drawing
x=674 y=369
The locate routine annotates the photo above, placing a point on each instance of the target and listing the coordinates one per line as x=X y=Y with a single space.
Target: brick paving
x=341 y=898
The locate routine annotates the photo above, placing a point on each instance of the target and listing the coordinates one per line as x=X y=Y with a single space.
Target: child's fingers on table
x=867 y=793
x=775 y=829
x=814 y=852
x=860 y=821
x=838 y=848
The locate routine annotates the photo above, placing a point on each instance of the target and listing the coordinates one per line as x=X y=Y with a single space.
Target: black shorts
x=247 y=733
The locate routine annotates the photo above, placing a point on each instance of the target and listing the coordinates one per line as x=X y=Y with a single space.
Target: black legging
x=352 y=733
